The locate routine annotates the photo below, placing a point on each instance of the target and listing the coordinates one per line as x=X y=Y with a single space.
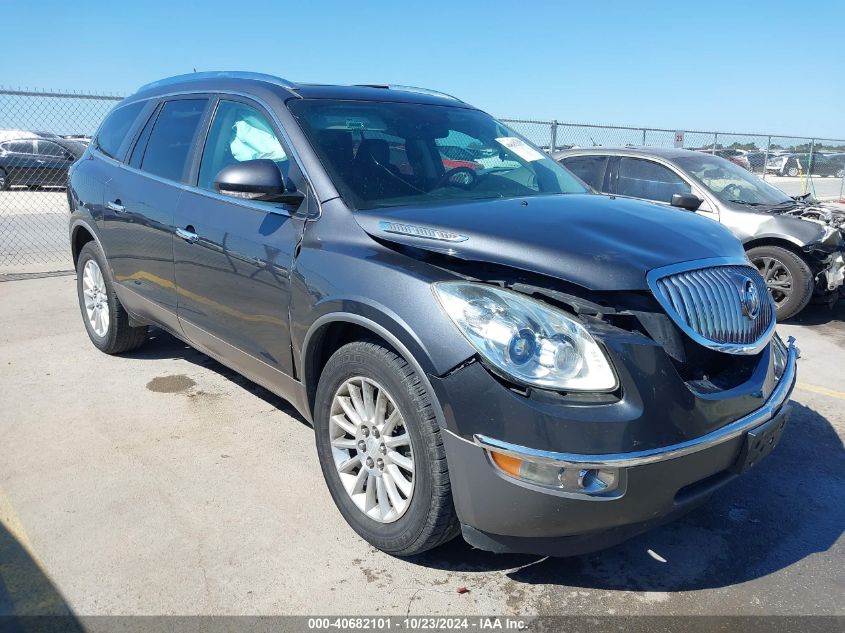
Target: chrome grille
x=714 y=305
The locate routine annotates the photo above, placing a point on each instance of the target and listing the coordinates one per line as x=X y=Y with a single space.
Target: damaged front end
x=826 y=255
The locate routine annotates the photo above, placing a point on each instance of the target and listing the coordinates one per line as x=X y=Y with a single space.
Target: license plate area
x=761 y=440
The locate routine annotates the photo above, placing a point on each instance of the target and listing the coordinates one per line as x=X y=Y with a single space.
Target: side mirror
x=688 y=201
x=258 y=179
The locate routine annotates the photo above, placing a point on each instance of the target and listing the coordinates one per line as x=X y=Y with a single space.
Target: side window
x=238 y=133
x=114 y=129
x=48 y=148
x=590 y=169
x=141 y=143
x=172 y=136
x=641 y=178
x=21 y=147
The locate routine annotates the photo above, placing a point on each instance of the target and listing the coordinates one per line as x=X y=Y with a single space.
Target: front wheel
x=792 y=171
x=788 y=278
x=5 y=182
x=106 y=322
x=380 y=450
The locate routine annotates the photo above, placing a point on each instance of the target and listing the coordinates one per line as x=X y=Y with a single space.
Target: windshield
x=382 y=154
x=730 y=183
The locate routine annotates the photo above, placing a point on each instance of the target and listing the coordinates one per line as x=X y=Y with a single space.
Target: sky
x=741 y=66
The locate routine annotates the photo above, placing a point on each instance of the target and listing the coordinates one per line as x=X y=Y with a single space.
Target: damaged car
x=498 y=352
x=796 y=243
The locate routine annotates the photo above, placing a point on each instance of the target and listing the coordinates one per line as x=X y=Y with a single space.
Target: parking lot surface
x=160 y=482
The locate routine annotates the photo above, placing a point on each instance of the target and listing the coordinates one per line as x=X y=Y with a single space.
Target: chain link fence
x=796 y=165
x=42 y=133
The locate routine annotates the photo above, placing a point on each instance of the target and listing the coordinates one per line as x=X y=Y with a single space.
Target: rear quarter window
x=114 y=129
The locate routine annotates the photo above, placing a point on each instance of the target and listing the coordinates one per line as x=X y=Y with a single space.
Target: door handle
x=188 y=235
x=114 y=205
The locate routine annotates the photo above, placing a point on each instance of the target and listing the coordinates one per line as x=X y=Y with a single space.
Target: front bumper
x=500 y=512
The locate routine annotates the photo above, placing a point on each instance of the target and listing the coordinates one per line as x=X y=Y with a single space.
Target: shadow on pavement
x=26 y=592
x=787 y=508
x=819 y=314
x=162 y=345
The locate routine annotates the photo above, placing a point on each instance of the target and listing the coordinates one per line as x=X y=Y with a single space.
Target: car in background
x=796 y=245
x=37 y=162
x=736 y=156
x=757 y=161
x=803 y=164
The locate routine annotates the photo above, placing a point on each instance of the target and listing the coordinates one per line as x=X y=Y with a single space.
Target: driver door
x=653 y=181
x=233 y=256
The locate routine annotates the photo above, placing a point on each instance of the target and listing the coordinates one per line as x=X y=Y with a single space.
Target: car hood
x=595 y=241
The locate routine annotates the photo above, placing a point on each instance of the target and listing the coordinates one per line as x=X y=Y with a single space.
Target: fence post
x=808 y=181
x=766 y=158
x=553 y=142
x=715 y=142
x=644 y=130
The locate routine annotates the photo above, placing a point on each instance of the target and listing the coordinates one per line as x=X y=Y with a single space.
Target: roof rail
x=219 y=74
x=423 y=91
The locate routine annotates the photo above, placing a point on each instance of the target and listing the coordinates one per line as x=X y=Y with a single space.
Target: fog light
x=591 y=481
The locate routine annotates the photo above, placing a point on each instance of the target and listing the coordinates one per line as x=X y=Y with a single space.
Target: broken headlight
x=526 y=340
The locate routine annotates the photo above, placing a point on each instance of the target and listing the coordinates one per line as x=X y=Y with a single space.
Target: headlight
x=526 y=340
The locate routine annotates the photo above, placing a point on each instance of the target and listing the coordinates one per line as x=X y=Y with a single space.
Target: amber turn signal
x=510 y=465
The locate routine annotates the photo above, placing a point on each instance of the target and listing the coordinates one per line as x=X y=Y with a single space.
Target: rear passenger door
x=54 y=161
x=140 y=204
x=233 y=277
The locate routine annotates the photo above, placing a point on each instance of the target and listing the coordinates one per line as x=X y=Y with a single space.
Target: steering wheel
x=734 y=191
x=460 y=177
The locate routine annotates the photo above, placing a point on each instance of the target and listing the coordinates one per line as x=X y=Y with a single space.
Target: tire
x=792 y=172
x=840 y=173
x=428 y=518
x=5 y=181
x=117 y=335
x=778 y=267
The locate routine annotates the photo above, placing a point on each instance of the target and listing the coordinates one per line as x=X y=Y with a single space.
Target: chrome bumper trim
x=772 y=406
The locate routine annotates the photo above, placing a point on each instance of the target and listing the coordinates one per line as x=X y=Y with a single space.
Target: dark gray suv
x=482 y=346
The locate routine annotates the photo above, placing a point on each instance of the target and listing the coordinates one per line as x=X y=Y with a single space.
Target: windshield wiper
x=786 y=205
x=747 y=204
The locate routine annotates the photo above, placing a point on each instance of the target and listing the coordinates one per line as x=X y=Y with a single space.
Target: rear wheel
x=4 y=181
x=106 y=322
x=788 y=278
x=792 y=171
x=381 y=452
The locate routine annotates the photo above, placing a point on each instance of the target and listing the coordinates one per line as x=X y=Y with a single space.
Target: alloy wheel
x=777 y=276
x=372 y=449
x=96 y=298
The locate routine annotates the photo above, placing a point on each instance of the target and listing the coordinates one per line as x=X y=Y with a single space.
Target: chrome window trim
x=772 y=407
x=653 y=276
x=211 y=194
